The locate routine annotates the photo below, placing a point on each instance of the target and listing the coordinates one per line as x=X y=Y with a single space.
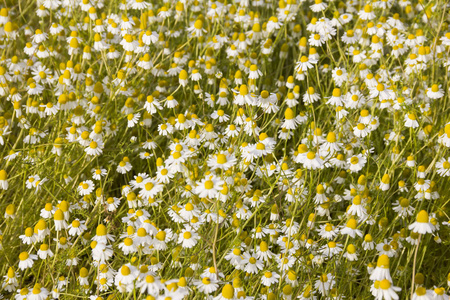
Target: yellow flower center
x=422 y=217
x=23 y=256
x=311 y=155
x=125 y=271
x=380 y=87
x=385 y=284
x=421 y=291
x=209 y=184
x=221 y=159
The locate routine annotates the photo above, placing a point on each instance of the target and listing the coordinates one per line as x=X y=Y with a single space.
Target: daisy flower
x=207 y=285
x=150 y=285
x=269 y=278
x=77 y=227
x=422 y=224
x=222 y=160
x=3 y=180
x=381 y=271
x=305 y=63
x=26 y=260
x=422 y=293
x=384 y=289
x=227 y=293
x=85 y=187
x=313 y=161
x=411 y=120
x=95 y=148
x=442 y=167
x=251 y=264
x=209 y=187
x=124 y=166
x=325 y=283
x=38 y=293
x=126 y=275
x=59 y=219
x=351 y=229
x=435 y=92
x=356 y=163
x=188 y=238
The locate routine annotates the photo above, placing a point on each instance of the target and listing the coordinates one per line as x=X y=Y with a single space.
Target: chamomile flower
x=325 y=283
x=381 y=270
x=85 y=187
x=356 y=162
x=384 y=289
x=422 y=224
x=351 y=229
x=209 y=187
x=77 y=227
x=435 y=92
x=95 y=148
x=207 y=285
x=3 y=180
x=421 y=293
x=26 y=260
x=188 y=238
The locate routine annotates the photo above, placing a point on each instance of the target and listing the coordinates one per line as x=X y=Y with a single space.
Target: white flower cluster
x=224 y=150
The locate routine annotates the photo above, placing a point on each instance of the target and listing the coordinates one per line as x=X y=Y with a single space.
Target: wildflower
x=411 y=120
x=305 y=63
x=361 y=130
x=403 y=208
x=126 y=276
x=207 y=285
x=351 y=254
x=310 y=96
x=384 y=289
x=38 y=293
x=3 y=180
x=209 y=187
x=29 y=237
x=150 y=285
x=435 y=92
x=227 y=293
x=422 y=293
x=86 y=187
x=95 y=148
x=325 y=283
x=350 y=228
x=101 y=235
x=368 y=243
x=422 y=224
x=312 y=161
x=39 y=36
x=443 y=167
x=318 y=6
x=439 y=293
x=339 y=76
x=124 y=166
x=26 y=260
x=356 y=162
x=77 y=227
x=197 y=29
x=188 y=238
x=269 y=278
x=59 y=219
x=44 y=251
x=381 y=271
x=10 y=282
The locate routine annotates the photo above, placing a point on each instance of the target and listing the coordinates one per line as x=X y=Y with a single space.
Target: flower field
x=225 y=150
